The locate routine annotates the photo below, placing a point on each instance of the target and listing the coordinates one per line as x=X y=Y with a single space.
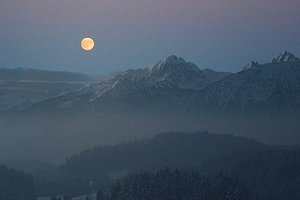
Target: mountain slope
x=214 y=76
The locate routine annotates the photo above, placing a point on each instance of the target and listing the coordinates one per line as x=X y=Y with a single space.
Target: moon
x=87 y=44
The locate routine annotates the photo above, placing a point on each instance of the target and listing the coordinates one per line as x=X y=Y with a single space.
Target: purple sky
x=219 y=34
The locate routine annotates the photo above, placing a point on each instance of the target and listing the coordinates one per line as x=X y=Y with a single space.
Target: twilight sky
x=219 y=34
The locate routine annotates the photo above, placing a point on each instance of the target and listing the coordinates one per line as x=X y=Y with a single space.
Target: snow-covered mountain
x=173 y=69
x=176 y=85
x=272 y=88
x=162 y=85
x=177 y=71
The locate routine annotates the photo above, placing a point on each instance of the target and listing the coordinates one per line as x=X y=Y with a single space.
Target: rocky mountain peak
x=172 y=64
x=180 y=73
x=285 y=57
x=251 y=65
x=174 y=60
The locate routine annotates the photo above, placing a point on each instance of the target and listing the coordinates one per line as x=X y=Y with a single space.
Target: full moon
x=87 y=44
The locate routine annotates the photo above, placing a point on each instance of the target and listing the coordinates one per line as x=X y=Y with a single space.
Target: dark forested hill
x=165 y=150
x=15 y=185
x=266 y=171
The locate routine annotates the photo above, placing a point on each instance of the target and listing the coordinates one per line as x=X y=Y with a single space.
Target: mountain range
x=175 y=85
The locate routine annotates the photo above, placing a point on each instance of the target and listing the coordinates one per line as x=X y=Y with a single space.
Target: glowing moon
x=87 y=44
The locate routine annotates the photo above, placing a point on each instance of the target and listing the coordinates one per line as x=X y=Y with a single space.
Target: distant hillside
x=22 y=87
x=40 y=75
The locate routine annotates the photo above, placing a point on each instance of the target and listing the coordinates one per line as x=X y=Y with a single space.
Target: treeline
x=15 y=185
x=175 y=185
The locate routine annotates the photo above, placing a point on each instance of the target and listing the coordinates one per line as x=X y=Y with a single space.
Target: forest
x=16 y=185
x=169 y=184
x=266 y=172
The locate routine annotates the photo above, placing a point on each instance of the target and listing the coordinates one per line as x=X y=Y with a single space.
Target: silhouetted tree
x=99 y=195
x=116 y=191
